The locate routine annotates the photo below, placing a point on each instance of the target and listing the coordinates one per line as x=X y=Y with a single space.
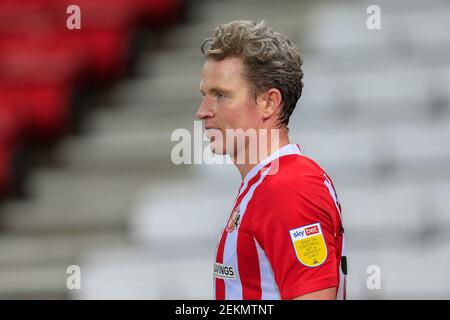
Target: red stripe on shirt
x=220 y=283
x=249 y=270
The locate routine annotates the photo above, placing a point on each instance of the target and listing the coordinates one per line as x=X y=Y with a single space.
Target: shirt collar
x=283 y=151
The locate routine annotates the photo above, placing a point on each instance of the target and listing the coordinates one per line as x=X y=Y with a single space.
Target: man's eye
x=220 y=95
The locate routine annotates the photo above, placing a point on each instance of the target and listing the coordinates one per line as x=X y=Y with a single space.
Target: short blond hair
x=269 y=57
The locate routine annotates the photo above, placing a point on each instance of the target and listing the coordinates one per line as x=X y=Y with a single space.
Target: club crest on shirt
x=233 y=222
x=309 y=244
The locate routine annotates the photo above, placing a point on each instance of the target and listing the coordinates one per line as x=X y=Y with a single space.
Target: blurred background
x=86 y=117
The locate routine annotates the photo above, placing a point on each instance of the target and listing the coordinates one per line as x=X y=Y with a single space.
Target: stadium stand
x=374 y=113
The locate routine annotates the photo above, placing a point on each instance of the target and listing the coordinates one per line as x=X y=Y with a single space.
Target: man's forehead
x=224 y=73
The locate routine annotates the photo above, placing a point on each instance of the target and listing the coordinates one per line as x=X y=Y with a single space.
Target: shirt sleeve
x=296 y=228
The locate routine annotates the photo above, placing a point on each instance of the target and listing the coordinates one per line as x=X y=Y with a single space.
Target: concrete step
x=414 y=150
x=144 y=152
x=169 y=91
x=404 y=271
x=40 y=282
x=392 y=91
x=401 y=210
x=134 y=273
x=139 y=120
x=57 y=248
x=66 y=201
x=156 y=220
x=352 y=61
x=172 y=62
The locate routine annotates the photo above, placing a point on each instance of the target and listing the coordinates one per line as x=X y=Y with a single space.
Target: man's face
x=228 y=102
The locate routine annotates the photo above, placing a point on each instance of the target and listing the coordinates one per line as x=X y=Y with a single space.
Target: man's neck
x=273 y=144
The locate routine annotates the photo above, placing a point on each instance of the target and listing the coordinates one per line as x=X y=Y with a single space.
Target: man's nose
x=203 y=111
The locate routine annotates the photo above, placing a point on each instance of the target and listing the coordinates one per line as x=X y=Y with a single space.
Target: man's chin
x=216 y=149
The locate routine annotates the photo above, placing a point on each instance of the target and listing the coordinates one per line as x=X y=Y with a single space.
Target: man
x=284 y=236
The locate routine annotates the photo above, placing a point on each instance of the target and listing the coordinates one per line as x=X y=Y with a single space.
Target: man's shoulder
x=289 y=177
x=294 y=171
x=297 y=187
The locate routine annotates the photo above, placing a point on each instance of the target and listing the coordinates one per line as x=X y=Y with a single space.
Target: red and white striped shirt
x=284 y=237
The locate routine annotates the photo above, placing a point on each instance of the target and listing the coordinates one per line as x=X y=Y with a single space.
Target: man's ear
x=270 y=102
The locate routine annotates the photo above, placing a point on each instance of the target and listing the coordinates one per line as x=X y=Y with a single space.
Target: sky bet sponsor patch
x=309 y=244
x=224 y=272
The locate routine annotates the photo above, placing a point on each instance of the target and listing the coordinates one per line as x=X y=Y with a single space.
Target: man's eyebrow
x=215 y=89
